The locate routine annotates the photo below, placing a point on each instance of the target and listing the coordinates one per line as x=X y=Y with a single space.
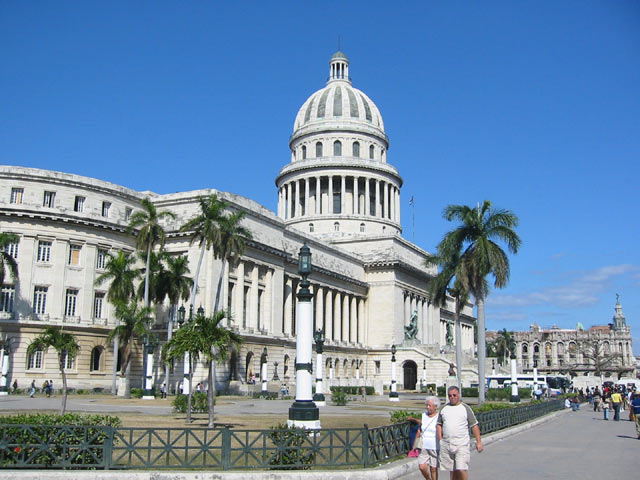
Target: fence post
x=107 y=453
x=365 y=445
x=226 y=448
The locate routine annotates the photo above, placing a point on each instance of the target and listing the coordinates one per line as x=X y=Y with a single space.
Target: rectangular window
x=16 y=195
x=70 y=302
x=105 y=208
x=74 y=254
x=44 y=251
x=98 y=303
x=377 y=365
x=35 y=360
x=78 y=204
x=101 y=259
x=127 y=213
x=7 y=296
x=67 y=361
x=40 y=300
x=49 y=199
x=12 y=250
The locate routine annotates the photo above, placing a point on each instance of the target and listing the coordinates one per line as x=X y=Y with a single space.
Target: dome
x=339 y=105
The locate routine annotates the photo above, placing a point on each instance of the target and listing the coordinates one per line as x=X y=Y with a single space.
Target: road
x=572 y=445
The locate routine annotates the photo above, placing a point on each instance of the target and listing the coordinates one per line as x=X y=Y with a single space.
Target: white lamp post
x=318 y=397
x=263 y=372
x=304 y=413
x=424 y=373
x=514 y=377
x=393 y=393
x=4 y=366
x=148 y=344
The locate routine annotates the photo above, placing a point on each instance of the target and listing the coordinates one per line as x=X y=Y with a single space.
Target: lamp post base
x=148 y=395
x=304 y=414
x=514 y=398
x=319 y=400
x=393 y=397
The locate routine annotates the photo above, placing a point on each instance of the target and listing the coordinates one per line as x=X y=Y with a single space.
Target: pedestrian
x=596 y=400
x=427 y=439
x=454 y=422
x=32 y=390
x=163 y=391
x=50 y=388
x=635 y=406
x=363 y=392
x=605 y=407
x=15 y=386
x=180 y=388
x=616 y=399
x=45 y=388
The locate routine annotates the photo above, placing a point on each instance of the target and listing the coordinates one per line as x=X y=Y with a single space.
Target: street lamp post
x=393 y=393
x=318 y=397
x=148 y=343
x=304 y=413
x=263 y=372
x=4 y=368
x=535 y=375
x=424 y=373
x=186 y=386
x=514 y=376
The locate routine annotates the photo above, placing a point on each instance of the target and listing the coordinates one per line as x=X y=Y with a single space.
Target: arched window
x=371 y=151
x=319 y=149
x=285 y=372
x=336 y=227
x=35 y=360
x=96 y=357
x=345 y=368
x=311 y=228
x=337 y=148
x=304 y=152
x=362 y=227
x=249 y=366
x=119 y=362
x=356 y=149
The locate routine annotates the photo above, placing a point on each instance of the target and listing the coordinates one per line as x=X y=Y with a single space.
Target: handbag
x=414 y=452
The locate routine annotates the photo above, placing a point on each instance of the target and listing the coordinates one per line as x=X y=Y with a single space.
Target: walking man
x=616 y=398
x=454 y=422
x=635 y=407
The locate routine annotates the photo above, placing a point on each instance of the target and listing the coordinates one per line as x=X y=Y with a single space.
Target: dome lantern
x=339 y=67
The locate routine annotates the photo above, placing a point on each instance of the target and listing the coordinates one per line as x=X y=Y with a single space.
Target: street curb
x=390 y=471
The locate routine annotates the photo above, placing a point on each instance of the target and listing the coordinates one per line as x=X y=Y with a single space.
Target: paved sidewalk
x=571 y=445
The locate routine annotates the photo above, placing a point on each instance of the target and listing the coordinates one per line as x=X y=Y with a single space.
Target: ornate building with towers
x=338 y=194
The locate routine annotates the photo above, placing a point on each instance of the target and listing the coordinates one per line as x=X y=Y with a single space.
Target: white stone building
x=339 y=194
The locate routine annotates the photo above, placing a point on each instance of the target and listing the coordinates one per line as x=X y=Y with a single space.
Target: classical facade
x=338 y=194
x=579 y=352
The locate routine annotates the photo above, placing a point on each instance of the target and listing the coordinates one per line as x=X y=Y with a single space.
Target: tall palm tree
x=476 y=236
x=175 y=284
x=233 y=238
x=149 y=233
x=134 y=322
x=65 y=344
x=152 y=288
x=206 y=230
x=502 y=345
x=120 y=271
x=6 y=260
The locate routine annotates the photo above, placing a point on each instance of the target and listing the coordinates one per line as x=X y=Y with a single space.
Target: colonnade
x=250 y=297
x=422 y=307
x=339 y=194
x=559 y=353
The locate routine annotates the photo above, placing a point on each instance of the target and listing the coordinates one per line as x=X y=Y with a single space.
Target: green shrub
x=290 y=452
x=339 y=397
x=22 y=444
x=505 y=393
x=267 y=395
x=136 y=393
x=199 y=403
x=488 y=407
x=400 y=416
x=353 y=390
x=425 y=388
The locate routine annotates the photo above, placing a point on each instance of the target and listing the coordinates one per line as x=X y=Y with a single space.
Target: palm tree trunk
x=482 y=350
x=211 y=394
x=458 y=344
x=63 y=407
x=219 y=290
x=190 y=390
x=127 y=376
x=195 y=278
x=146 y=277
x=169 y=335
x=116 y=353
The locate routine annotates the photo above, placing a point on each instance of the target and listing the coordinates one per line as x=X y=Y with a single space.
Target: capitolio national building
x=339 y=193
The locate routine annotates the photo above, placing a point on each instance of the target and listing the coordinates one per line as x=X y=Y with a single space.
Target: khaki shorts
x=430 y=457
x=454 y=457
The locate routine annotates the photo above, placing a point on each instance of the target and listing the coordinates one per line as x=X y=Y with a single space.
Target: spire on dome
x=619 y=320
x=339 y=67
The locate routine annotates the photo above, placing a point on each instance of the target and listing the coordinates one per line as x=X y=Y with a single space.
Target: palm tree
x=67 y=347
x=481 y=256
x=206 y=230
x=120 y=271
x=233 y=238
x=152 y=288
x=503 y=344
x=134 y=322
x=174 y=283
x=6 y=260
x=150 y=232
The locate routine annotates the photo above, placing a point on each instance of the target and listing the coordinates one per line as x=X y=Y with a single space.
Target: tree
x=120 y=271
x=152 y=288
x=134 y=322
x=597 y=358
x=149 y=233
x=476 y=237
x=65 y=344
x=206 y=230
x=233 y=238
x=7 y=262
x=502 y=345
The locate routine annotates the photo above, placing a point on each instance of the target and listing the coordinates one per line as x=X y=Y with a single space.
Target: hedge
x=353 y=390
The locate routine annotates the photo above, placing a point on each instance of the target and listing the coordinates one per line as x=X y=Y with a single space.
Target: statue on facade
x=411 y=330
x=449 y=337
x=452 y=370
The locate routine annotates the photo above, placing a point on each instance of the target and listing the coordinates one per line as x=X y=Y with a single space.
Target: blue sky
x=532 y=105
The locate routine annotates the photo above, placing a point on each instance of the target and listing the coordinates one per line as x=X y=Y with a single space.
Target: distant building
x=602 y=349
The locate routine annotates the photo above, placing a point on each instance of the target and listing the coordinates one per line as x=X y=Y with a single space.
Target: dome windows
x=372 y=150
x=356 y=149
x=337 y=148
x=304 y=152
x=311 y=228
x=362 y=228
x=318 y=149
x=336 y=227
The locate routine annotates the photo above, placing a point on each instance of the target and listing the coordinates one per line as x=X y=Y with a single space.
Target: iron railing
x=104 y=447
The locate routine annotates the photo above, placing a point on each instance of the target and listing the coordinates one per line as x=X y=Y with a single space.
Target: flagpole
x=413 y=219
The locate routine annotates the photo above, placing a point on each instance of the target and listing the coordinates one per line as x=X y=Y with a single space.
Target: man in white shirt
x=454 y=422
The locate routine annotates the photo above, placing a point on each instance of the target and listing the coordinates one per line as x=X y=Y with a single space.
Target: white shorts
x=430 y=457
x=454 y=457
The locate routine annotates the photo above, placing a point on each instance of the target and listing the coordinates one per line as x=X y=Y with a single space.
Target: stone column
x=377 y=192
x=298 y=212
x=345 y=317
x=398 y=205
x=356 y=199
x=288 y=292
x=329 y=314
x=330 y=195
x=353 y=321
x=361 y=321
x=252 y=315
x=268 y=301
x=318 y=205
x=343 y=194
x=337 y=316
x=4 y=370
x=367 y=195
x=306 y=196
x=320 y=307
x=239 y=296
x=289 y=201
x=407 y=308
x=386 y=210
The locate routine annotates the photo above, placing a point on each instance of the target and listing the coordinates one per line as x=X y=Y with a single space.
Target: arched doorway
x=410 y=370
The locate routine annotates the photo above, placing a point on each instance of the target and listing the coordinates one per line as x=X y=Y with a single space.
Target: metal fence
x=101 y=447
